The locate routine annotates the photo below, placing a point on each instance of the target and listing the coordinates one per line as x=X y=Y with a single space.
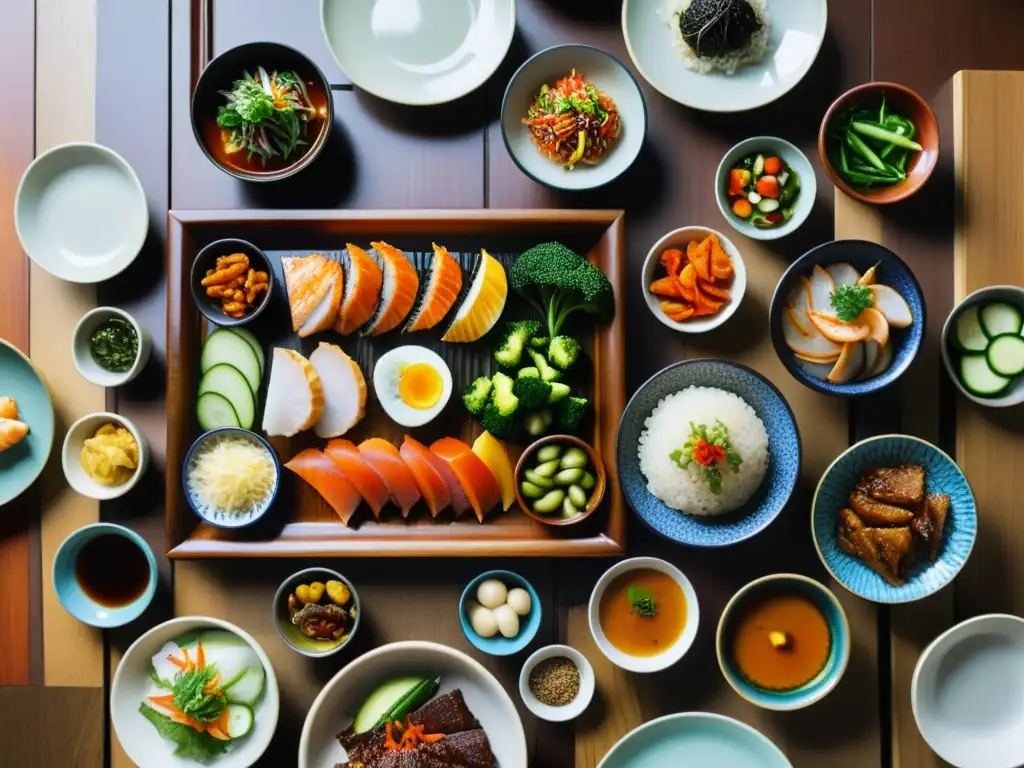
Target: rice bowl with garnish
x=703 y=451
x=718 y=34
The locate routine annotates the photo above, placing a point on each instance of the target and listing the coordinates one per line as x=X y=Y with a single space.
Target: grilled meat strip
x=930 y=521
x=469 y=749
x=884 y=550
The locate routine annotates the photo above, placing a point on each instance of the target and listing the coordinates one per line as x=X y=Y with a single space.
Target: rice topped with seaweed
x=718 y=34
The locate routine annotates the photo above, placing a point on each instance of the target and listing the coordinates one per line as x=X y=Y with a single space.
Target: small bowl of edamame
x=560 y=480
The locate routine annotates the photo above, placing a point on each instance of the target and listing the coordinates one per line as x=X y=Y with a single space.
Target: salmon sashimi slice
x=398 y=290
x=459 y=499
x=317 y=469
x=433 y=487
x=12 y=432
x=387 y=462
x=365 y=479
x=362 y=291
x=440 y=292
x=475 y=478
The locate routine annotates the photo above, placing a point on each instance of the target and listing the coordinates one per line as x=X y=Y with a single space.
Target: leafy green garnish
x=191 y=698
x=192 y=745
x=708 y=448
x=850 y=300
x=159 y=681
x=642 y=601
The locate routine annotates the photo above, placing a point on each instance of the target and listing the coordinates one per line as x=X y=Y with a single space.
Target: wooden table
x=131 y=66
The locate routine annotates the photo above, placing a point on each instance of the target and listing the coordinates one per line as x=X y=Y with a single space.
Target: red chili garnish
x=707 y=454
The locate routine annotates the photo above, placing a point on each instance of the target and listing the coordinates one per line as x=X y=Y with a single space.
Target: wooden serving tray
x=300 y=523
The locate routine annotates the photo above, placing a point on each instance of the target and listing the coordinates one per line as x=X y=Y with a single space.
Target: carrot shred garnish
x=200 y=656
x=389 y=739
x=163 y=701
x=177 y=662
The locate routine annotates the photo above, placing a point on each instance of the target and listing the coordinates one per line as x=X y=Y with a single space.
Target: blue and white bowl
x=942 y=475
x=839 y=653
x=783 y=447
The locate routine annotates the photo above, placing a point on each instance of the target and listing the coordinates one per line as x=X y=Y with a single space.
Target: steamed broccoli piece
x=539 y=342
x=558 y=282
x=559 y=391
x=525 y=373
x=569 y=414
x=531 y=390
x=502 y=397
x=537 y=422
x=476 y=395
x=564 y=352
x=546 y=371
x=517 y=333
x=502 y=426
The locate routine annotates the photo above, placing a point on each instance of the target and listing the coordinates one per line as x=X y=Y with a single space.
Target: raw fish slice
x=460 y=501
x=482 y=304
x=439 y=294
x=325 y=313
x=8 y=408
x=362 y=291
x=365 y=479
x=310 y=280
x=12 y=432
x=843 y=273
x=476 y=479
x=386 y=461
x=317 y=469
x=398 y=290
x=821 y=289
x=431 y=484
x=295 y=395
x=344 y=390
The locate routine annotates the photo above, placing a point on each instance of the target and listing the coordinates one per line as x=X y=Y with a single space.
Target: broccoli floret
x=502 y=396
x=502 y=426
x=539 y=342
x=537 y=422
x=517 y=333
x=525 y=373
x=476 y=395
x=532 y=391
x=569 y=413
x=546 y=371
x=564 y=352
x=558 y=282
x=559 y=391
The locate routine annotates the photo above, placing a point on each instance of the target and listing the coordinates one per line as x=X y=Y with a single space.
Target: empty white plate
x=795 y=31
x=418 y=52
x=80 y=212
x=968 y=693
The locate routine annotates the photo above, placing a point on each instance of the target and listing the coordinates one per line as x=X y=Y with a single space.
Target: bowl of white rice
x=708 y=452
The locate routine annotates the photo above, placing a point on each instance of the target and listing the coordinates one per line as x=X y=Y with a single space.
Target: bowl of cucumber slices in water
x=983 y=346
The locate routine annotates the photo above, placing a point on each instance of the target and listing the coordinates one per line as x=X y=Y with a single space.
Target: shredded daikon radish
x=231 y=475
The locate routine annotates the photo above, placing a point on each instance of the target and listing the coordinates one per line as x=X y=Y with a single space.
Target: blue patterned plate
x=942 y=475
x=21 y=464
x=783 y=446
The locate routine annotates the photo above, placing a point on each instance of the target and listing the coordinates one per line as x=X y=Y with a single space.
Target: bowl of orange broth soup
x=783 y=642
x=644 y=614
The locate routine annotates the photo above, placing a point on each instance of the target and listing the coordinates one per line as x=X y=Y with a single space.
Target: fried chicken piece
x=8 y=408
x=903 y=485
x=883 y=550
x=930 y=521
x=878 y=513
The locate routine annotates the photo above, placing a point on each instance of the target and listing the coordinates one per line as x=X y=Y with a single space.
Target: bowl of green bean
x=879 y=142
x=560 y=480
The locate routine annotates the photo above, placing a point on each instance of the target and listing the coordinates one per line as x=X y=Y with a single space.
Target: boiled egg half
x=413 y=384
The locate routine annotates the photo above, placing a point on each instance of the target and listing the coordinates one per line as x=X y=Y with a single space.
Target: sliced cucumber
x=999 y=317
x=253 y=342
x=228 y=381
x=240 y=720
x=758 y=168
x=246 y=687
x=215 y=411
x=978 y=377
x=768 y=205
x=970 y=336
x=226 y=346
x=393 y=700
x=1005 y=354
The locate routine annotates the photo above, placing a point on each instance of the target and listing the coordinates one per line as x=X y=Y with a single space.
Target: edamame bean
x=530 y=490
x=574 y=457
x=548 y=453
x=568 y=510
x=577 y=496
x=540 y=482
x=547 y=469
x=568 y=476
x=588 y=482
x=549 y=503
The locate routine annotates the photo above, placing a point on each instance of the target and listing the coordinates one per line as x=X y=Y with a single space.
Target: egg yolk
x=419 y=386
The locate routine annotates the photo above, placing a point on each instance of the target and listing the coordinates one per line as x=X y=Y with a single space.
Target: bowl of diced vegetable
x=765 y=187
x=983 y=346
x=879 y=142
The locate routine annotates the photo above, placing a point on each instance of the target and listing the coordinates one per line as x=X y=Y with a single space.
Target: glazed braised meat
x=930 y=521
x=884 y=550
x=874 y=512
x=903 y=485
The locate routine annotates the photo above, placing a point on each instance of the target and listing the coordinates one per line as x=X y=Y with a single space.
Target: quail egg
x=413 y=384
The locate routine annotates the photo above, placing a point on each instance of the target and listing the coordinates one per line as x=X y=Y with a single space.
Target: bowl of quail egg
x=500 y=613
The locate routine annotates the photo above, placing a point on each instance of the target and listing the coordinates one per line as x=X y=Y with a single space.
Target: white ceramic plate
x=139 y=738
x=80 y=212
x=336 y=706
x=796 y=29
x=609 y=75
x=418 y=52
x=968 y=693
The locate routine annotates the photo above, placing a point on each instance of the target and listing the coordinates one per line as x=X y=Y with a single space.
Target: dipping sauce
x=112 y=570
x=643 y=612
x=781 y=642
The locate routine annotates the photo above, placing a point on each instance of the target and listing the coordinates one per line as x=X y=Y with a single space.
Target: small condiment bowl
x=671 y=655
x=70 y=456
x=499 y=645
x=596 y=495
x=1011 y=294
x=207 y=259
x=291 y=634
x=839 y=651
x=75 y=600
x=81 y=348
x=186 y=466
x=679 y=238
x=573 y=709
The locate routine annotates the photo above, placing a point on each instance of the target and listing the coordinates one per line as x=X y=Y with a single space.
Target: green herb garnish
x=708 y=449
x=642 y=601
x=195 y=697
x=114 y=345
x=850 y=300
x=192 y=745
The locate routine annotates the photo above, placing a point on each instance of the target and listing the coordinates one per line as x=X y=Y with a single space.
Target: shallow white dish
x=671 y=655
x=80 y=348
x=418 y=52
x=80 y=212
x=71 y=451
x=335 y=707
x=571 y=710
x=796 y=30
x=967 y=693
x=141 y=741
x=610 y=76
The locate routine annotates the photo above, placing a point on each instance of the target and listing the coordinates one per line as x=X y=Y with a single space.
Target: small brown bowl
x=907 y=103
x=596 y=495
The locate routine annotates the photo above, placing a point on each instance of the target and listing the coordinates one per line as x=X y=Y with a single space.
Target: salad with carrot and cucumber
x=763 y=190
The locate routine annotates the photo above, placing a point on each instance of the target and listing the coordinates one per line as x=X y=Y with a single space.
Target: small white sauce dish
x=81 y=348
x=966 y=693
x=70 y=456
x=670 y=655
x=571 y=710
